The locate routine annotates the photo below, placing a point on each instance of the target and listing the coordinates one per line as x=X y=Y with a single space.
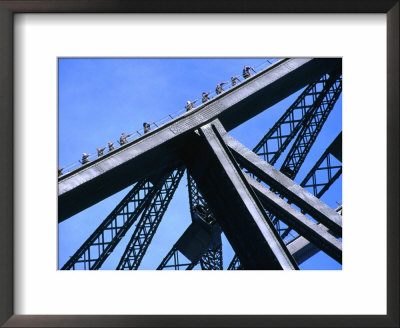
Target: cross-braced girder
x=95 y=250
x=313 y=126
x=212 y=259
x=274 y=143
x=149 y=222
x=326 y=170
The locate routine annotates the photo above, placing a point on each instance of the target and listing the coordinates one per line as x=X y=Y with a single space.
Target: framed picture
x=20 y=285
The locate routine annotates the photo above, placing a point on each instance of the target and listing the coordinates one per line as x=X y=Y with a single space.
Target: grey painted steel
x=302 y=249
x=157 y=149
x=237 y=209
x=287 y=187
x=298 y=221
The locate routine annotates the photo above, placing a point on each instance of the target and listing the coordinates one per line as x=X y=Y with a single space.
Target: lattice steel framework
x=274 y=143
x=310 y=131
x=212 y=259
x=149 y=222
x=325 y=172
x=95 y=250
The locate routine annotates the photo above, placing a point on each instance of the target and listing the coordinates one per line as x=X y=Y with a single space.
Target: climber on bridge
x=122 y=139
x=234 y=79
x=146 y=127
x=219 y=89
x=190 y=104
x=246 y=71
x=60 y=171
x=100 y=151
x=204 y=96
x=110 y=146
x=85 y=158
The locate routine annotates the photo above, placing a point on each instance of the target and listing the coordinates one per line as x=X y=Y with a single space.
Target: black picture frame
x=7 y=10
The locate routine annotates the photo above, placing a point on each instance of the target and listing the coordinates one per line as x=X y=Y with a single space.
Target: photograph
x=185 y=163
x=197 y=137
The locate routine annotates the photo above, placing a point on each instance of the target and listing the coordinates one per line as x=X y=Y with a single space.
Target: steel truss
x=212 y=259
x=317 y=184
x=307 y=136
x=310 y=131
x=312 y=124
x=149 y=222
x=324 y=173
x=95 y=250
x=274 y=143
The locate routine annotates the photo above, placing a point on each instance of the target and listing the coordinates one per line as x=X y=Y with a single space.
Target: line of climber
x=100 y=151
x=218 y=90
x=147 y=127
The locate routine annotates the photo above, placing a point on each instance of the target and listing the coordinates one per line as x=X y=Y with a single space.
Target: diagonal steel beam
x=285 y=186
x=315 y=182
x=302 y=249
x=237 y=209
x=299 y=222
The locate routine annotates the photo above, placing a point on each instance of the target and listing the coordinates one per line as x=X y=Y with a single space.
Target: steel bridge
x=271 y=221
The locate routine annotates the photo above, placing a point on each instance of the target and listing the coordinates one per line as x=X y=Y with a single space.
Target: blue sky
x=101 y=98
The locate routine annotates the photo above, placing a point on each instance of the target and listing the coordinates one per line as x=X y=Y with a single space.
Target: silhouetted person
x=246 y=71
x=190 y=104
x=100 y=151
x=234 y=79
x=85 y=158
x=122 y=139
x=204 y=97
x=110 y=146
x=219 y=89
x=146 y=127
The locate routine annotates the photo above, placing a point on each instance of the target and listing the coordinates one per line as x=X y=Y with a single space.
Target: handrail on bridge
x=139 y=133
